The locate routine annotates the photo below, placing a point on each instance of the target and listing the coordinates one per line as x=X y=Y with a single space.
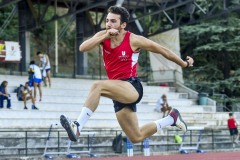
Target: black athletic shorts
x=138 y=86
x=233 y=131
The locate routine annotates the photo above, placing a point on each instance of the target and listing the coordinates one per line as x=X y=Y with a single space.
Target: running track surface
x=191 y=156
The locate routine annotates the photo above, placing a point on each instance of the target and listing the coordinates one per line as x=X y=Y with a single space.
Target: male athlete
x=120 y=54
x=45 y=67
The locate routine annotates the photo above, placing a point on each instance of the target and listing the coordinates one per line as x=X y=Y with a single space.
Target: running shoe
x=70 y=127
x=34 y=107
x=178 y=121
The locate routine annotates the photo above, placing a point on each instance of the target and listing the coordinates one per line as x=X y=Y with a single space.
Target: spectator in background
x=35 y=79
x=46 y=67
x=4 y=95
x=25 y=94
x=232 y=126
x=162 y=105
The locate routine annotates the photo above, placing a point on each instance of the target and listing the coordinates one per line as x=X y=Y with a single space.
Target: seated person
x=162 y=105
x=4 y=95
x=24 y=94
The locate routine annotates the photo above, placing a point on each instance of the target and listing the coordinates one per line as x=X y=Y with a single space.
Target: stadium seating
x=66 y=96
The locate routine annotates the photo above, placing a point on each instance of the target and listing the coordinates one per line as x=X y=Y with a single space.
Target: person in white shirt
x=46 y=67
x=35 y=77
x=162 y=105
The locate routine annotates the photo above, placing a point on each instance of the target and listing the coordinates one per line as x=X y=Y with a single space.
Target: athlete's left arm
x=140 y=42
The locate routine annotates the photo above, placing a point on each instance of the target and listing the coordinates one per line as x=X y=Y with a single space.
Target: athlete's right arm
x=94 y=41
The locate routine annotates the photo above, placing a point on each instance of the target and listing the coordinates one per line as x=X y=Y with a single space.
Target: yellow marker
x=1 y=47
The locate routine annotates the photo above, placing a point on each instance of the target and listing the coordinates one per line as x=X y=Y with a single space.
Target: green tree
x=9 y=23
x=214 y=46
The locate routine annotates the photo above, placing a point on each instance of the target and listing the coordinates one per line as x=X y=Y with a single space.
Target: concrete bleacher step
x=91 y=124
x=103 y=107
x=172 y=102
x=38 y=114
x=49 y=109
x=32 y=118
x=103 y=101
x=217 y=115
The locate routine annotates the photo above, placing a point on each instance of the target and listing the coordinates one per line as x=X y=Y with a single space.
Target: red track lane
x=191 y=156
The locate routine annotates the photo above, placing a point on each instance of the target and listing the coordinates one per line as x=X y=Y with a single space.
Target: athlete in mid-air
x=121 y=49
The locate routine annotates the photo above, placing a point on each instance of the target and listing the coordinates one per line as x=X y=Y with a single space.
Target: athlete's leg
x=31 y=97
x=118 y=90
x=169 y=109
x=163 y=111
x=49 y=77
x=24 y=97
x=236 y=137
x=35 y=90
x=45 y=81
x=121 y=91
x=129 y=124
x=40 y=91
x=44 y=77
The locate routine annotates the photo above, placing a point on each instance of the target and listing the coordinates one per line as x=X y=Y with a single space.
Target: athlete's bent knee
x=96 y=84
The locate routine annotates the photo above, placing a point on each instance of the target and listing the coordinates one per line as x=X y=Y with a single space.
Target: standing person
x=46 y=67
x=232 y=126
x=25 y=94
x=4 y=95
x=121 y=49
x=162 y=105
x=36 y=78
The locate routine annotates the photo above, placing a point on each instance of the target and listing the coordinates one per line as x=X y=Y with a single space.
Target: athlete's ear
x=123 y=25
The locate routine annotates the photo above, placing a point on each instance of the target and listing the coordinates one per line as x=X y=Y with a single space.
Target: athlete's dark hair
x=4 y=84
x=32 y=62
x=39 y=52
x=121 y=11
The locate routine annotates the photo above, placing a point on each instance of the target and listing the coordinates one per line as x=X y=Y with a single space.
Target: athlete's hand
x=112 y=32
x=189 y=61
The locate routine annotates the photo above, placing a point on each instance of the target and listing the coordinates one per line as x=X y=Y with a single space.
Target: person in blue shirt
x=4 y=95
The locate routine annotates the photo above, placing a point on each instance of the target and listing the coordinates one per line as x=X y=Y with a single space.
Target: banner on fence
x=10 y=51
x=165 y=70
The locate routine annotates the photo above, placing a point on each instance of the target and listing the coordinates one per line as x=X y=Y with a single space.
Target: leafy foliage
x=215 y=48
x=10 y=32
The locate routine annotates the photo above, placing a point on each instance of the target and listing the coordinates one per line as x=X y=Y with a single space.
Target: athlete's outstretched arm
x=141 y=42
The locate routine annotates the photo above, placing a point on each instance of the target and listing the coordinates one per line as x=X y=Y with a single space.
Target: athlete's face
x=114 y=21
x=40 y=55
x=26 y=85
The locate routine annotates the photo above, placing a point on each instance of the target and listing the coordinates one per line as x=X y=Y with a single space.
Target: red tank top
x=120 y=62
x=231 y=123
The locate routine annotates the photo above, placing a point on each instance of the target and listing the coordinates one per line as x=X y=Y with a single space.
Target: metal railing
x=19 y=142
x=30 y=142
